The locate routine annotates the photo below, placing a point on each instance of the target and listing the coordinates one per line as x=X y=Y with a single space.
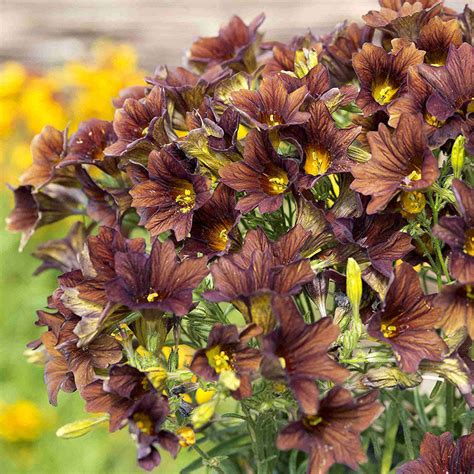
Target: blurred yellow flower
x=21 y=421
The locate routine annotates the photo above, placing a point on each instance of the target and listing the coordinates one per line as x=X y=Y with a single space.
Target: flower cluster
x=301 y=218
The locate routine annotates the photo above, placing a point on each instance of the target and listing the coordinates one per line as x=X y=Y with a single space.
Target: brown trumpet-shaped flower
x=401 y=162
x=332 y=434
x=442 y=454
x=458 y=233
x=228 y=350
x=214 y=230
x=231 y=47
x=262 y=267
x=262 y=174
x=322 y=145
x=271 y=105
x=156 y=281
x=167 y=198
x=299 y=352
x=382 y=75
x=407 y=321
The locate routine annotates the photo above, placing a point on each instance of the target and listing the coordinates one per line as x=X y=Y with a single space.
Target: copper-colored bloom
x=228 y=350
x=401 y=162
x=167 y=198
x=407 y=321
x=298 y=351
x=382 y=75
x=262 y=174
x=232 y=47
x=262 y=267
x=442 y=454
x=322 y=145
x=139 y=124
x=156 y=281
x=214 y=230
x=453 y=83
x=332 y=434
x=271 y=105
x=458 y=233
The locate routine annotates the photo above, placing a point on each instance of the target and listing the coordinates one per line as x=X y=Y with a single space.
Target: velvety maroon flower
x=383 y=75
x=87 y=146
x=227 y=350
x=166 y=195
x=299 y=352
x=442 y=454
x=35 y=209
x=401 y=162
x=214 y=230
x=132 y=92
x=407 y=321
x=232 y=47
x=271 y=105
x=262 y=174
x=262 y=267
x=156 y=281
x=48 y=148
x=139 y=125
x=321 y=144
x=458 y=233
x=332 y=434
x=146 y=418
x=453 y=85
x=456 y=303
x=369 y=124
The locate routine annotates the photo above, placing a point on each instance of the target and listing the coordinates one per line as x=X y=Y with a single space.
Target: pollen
x=219 y=360
x=310 y=421
x=413 y=176
x=413 y=202
x=220 y=239
x=152 y=297
x=383 y=92
x=469 y=242
x=143 y=422
x=185 y=200
x=317 y=161
x=273 y=120
x=433 y=121
x=388 y=330
x=274 y=180
x=278 y=185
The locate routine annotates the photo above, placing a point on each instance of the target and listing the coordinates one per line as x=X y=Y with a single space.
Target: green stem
x=449 y=408
x=420 y=408
x=205 y=456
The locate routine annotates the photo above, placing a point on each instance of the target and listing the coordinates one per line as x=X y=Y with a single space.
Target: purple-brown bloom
x=321 y=144
x=383 y=75
x=156 y=281
x=458 y=233
x=233 y=46
x=401 y=162
x=214 y=230
x=442 y=454
x=299 y=352
x=167 y=198
x=227 y=350
x=262 y=174
x=407 y=321
x=271 y=105
x=332 y=434
x=262 y=267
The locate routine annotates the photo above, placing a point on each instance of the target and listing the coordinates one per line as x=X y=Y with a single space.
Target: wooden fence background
x=45 y=32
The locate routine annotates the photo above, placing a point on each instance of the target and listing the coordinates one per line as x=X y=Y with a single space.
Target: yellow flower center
x=219 y=239
x=412 y=202
x=274 y=180
x=272 y=119
x=219 y=360
x=186 y=200
x=388 y=330
x=469 y=242
x=469 y=292
x=261 y=312
x=143 y=422
x=186 y=435
x=433 y=121
x=153 y=297
x=310 y=421
x=317 y=161
x=383 y=92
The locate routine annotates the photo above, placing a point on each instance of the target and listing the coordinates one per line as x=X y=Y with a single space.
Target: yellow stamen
x=433 y=121
x=186 y=200
x=187 y=436
x=219 y=360
x=310 y=421
x=383 y=92
x=469 y=242
x=317 y=161
x=219 y=239
x=274 y=180
x=412 y=202
x=152 y=297
x=143 y=422
x=388 y=331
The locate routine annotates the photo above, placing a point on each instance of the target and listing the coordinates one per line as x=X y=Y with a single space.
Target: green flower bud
x=457 y=156
x=80 y=428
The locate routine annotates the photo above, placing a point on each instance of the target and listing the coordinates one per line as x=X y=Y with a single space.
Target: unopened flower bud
x=457 y=156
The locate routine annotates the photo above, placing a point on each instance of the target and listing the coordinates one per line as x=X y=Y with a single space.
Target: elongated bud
x=187 y=436
x=391 y=377
x=80 y=428
x=457 y=156
x=229 y=380
x=203 y=413
x=354 y=284
x=305 y=60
